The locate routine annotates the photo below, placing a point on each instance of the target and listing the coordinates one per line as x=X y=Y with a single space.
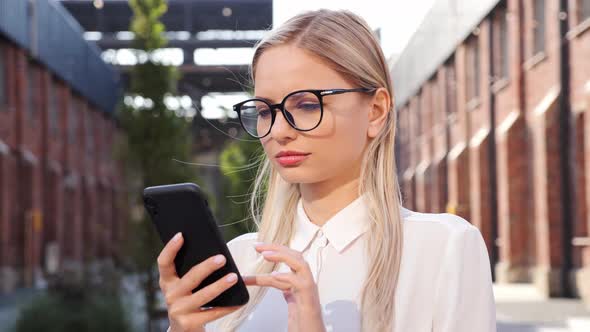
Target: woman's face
x=336 y=146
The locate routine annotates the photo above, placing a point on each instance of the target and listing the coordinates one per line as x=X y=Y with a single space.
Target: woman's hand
x=299 y=288
x=184 y=307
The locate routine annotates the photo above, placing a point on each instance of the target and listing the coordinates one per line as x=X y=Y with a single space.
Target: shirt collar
x=343 y=228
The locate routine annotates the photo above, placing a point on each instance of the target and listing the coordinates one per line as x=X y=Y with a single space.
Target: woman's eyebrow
x=265 y=99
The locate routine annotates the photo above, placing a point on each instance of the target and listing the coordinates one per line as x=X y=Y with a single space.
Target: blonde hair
x=346 y=43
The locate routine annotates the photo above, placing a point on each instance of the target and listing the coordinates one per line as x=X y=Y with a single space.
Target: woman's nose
x=281 y=128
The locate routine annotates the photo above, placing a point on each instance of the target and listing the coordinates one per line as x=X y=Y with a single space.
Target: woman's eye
x=263 y=113
x=309 y=106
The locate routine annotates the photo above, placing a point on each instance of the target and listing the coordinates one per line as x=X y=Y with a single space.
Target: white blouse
x=444 y=284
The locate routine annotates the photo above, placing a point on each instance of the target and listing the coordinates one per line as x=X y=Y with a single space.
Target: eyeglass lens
x=303 y=112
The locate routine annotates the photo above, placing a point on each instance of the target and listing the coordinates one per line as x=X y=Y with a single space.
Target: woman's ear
x=379 y=110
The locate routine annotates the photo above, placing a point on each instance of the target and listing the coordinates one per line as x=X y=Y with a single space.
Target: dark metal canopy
x=206 y=79
x=52 y=37
x=182 y=15
x=188 y=44
x=189 y=17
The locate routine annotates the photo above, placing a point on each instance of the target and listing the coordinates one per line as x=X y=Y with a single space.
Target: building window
x=73 y=119
x=102 y=131
x=584 y=6
x=434 y=102
x=404 y=124
x=89 y=133
x=451 y=87
x=32 y=91
x=501 y=56
x=3 y=86
x=472 y=68
x=419 y=127
x=538 y=26
x=52 y=107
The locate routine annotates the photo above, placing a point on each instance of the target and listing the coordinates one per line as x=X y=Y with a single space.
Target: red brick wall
x=586 y=250
x=579 y=37
x=458 y=158
x=7 y=113
x=527 y=144
x=7 y=164
x=439 y=145
x=580 y=179
x=424 y=151
x=48 y=182
x=479 y=136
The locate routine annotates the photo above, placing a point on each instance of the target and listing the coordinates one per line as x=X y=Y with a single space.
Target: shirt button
x=322 y=240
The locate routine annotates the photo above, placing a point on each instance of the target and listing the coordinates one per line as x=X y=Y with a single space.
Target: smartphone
x=184 y=208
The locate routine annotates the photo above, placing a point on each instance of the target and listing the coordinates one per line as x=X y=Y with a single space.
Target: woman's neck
x=321 y=201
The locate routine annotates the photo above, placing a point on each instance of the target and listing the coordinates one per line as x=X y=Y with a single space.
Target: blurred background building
x=58 y=180
x=494 y=104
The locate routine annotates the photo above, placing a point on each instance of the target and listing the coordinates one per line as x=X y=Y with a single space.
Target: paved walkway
x=10 y=304
x=519 y=307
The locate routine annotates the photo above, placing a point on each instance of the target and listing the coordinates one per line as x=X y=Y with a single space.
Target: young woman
x=335 y=250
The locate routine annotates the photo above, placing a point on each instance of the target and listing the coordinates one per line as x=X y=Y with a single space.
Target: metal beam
x=233 y=78
x=110 y=42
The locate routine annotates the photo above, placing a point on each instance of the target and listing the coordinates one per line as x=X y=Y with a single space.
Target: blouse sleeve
x=464 y=299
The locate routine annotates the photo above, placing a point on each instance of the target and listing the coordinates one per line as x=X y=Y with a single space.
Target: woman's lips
x=291 y=160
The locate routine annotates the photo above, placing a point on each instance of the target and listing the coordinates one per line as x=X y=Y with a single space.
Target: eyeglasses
x=303 y=110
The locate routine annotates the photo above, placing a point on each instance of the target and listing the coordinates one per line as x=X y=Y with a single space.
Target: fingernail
x=256 y=244
x=219 y=259
x=274 y=273
x=268 y=253
x=177 y=237
x=231 y=278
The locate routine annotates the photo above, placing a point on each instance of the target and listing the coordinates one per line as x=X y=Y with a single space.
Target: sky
x=397 y=19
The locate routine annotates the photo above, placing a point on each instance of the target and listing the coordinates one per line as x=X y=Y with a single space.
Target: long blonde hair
x=346 y=43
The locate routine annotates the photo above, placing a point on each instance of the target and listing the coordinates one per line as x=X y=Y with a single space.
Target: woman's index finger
x=167 y=255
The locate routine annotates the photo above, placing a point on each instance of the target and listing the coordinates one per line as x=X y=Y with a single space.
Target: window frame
x=89 y=131
x=419 y=118
x=52 y=107
x=3 y=77
x=501 y=49
x=472 y=69
x=583 y=10
x=33 y=87
x=451 y=87
x=73 y=119
x=538 y=27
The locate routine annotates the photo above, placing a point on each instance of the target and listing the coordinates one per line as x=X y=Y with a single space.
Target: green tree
x=155 y=136
x=239 y=162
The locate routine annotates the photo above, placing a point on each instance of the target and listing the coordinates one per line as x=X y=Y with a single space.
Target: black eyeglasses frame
x=281 y=106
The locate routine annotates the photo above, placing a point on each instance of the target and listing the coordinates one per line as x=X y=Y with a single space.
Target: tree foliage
x=239 y=162
x=155 y=137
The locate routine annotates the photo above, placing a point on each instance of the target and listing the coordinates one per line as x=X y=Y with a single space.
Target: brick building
x=494 y=125
x=59 y=182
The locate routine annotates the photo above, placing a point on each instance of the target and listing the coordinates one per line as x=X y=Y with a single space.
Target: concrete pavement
x=520 y=308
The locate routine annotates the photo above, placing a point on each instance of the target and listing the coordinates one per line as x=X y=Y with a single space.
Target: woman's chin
x=295 y=175
x=291 y=176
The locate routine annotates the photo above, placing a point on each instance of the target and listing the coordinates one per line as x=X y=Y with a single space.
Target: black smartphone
x=184 y=208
